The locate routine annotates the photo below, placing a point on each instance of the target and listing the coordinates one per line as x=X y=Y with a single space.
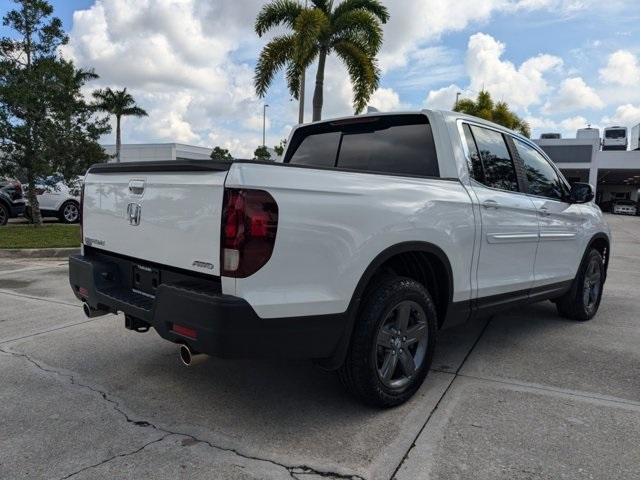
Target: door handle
x=544 y=212
x=490 y=204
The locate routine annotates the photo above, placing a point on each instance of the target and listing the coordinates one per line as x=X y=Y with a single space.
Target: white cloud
x=627 y=114
x=519 y=86
x=443 y=98
x=385 y=100
x=622 y=69
x=573 y=94
x=567 y=127
x=177 y=58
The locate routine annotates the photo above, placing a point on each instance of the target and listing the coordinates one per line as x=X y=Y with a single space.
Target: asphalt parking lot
x=525 y=395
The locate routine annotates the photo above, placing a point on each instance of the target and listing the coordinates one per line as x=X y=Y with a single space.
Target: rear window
x=398 y=145
x=317 y=150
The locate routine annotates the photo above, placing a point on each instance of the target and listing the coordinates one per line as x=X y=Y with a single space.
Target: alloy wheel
x=401 y=344
x=592 y=284
x=70 y=212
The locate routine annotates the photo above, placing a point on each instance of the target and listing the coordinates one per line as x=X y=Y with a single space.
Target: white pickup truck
x=373 y=233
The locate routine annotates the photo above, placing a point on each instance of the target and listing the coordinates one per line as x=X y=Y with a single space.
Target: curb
x=38 y=252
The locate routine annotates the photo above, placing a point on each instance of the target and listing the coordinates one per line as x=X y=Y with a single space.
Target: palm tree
x=353 y=30
x=121 y=104
x=484 y=107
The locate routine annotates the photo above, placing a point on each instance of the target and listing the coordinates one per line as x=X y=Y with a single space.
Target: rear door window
x=497 y=164
x=401 y=145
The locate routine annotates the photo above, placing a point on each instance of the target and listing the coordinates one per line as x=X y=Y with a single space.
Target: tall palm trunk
x=118 y=142
x=318 y=93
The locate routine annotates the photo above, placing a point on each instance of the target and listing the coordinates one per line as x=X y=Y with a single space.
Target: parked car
x=12 y=203
x=625 y=207
x=58 y=199
x=372 y=234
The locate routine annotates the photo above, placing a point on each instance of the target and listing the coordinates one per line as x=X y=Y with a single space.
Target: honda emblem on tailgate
x=134 y=210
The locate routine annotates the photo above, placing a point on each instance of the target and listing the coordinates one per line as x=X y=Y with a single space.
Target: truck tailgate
x=169 y=217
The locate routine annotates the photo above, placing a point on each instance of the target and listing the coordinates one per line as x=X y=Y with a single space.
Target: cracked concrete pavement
x=525 y=395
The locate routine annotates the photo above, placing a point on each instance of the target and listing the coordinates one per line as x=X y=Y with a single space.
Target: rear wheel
x=392 y=344
x=4 y=214
x=69 y=212
x=582 y=301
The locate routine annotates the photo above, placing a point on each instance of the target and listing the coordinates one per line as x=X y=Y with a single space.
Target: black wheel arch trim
x=339 y=355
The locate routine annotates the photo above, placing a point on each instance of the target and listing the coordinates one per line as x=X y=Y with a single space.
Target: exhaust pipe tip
x=91 y=312
x=190 y=358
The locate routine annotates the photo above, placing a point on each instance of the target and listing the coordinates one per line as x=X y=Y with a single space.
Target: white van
x=615 y=138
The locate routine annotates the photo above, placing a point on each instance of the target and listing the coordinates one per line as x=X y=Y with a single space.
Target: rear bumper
x=225 y=326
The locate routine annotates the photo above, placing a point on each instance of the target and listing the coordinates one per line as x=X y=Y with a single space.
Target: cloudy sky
x=559 y=63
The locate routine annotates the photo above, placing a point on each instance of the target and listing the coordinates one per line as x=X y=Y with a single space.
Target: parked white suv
x=373 y=233
x=58 y=199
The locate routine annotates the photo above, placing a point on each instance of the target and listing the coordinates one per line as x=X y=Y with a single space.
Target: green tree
x=279 y=149
x=484 y=107
x=262 y=154
x=352 y=30
x=119 y=103
x=46 y=127
x=219 y=153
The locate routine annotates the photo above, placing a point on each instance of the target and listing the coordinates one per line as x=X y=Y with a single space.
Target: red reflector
x=83 y=291
x=185 y=331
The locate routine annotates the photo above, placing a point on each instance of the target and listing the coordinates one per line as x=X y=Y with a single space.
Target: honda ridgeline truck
x=371 y=235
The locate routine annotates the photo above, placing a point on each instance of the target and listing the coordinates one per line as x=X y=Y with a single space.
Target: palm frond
x=363 y=72
x=323 y=5
x=276 y=55
x=135 y=112
x=296 y=68
x=375 y=7
x=359 y=26
x=276 y=13
x=311 y=26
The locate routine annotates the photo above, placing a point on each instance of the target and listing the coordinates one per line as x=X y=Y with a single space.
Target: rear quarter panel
x=332 y=225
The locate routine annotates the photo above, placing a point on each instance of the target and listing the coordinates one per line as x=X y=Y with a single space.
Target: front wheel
x=69 y=212
x=392 y=344
x=582 y=301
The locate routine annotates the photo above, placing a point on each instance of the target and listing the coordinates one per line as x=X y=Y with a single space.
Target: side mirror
x=581 y=193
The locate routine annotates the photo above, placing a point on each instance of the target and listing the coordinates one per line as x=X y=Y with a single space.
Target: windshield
x=616 y=133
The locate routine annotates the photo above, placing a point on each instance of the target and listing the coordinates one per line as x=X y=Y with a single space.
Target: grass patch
x=46 y=236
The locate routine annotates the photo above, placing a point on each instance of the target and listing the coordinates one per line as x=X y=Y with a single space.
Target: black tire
x=4 y=214
x=582 y=301
x=361 y=371
x=69 y=212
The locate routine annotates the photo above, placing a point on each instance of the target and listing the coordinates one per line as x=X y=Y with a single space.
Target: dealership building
x=614 y=173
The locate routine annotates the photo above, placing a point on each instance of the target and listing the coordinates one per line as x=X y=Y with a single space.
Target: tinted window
x=400 y=144
x=541 y=177
x=401 y=149
x=499 y=171
x=318 y=150
x=474 y=162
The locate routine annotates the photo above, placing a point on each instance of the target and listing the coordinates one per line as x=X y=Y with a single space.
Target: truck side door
x=509 y=231
x=558 y=254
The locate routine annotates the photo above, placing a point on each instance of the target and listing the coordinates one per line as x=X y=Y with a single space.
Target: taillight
x=249 y=225
x=81 y=213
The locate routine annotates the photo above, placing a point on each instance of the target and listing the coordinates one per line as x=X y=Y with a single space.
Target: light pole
x=264 y=125
x=457 y=99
